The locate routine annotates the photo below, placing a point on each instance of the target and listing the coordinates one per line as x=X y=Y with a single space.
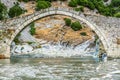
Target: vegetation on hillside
x=16 y=10
x=74 y=25
x=67 y=21
x=106 y=10
x=83 y=33
x=42 y=5
x=80 y=8
x=3 y=11
x=16 y=40
x=32 y=28
x=115 y=3
x=117 y=15
x=113 y=9
x=24 y=0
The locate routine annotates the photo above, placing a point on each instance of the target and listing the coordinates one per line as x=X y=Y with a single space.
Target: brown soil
x=59 y=32
x=118 y=41
x=2 y=56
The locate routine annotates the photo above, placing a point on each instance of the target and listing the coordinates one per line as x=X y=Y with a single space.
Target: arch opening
x=60 y=13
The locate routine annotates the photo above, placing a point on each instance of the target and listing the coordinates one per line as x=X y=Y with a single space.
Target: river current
x=80 y=68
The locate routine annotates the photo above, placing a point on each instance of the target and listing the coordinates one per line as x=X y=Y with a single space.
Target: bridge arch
x=58 y=11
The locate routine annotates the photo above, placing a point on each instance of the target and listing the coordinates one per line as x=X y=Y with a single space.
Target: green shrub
x=115 y=3
x=16 y=10
x=23 y=0
x=86 y=3
x=26 y=0
x=108 y=10
x=82 y=2
x=105 y=0
x=81 y=8
x=16 y=40
x=116 y=10
x=72 y=3
x=77 y=9
x=1 y=16
x=96 y=38
x=67 y=21
x=30 y=42
x=83 y=33
x=45 y=0
x=42 y=5
x=117 y=15
x=32 y=29
x=76 y=26
x=90 y=5
x=3 y=11
x=102 y=9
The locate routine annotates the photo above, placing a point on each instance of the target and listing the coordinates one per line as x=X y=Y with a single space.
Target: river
x=79 y=68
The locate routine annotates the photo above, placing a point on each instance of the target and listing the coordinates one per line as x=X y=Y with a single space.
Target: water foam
x=58 y=50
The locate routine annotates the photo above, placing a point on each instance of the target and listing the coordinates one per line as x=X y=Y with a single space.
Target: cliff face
x=64 y=35
x=58 y=32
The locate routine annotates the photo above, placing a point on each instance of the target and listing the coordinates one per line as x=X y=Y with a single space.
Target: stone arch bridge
x=107 y=28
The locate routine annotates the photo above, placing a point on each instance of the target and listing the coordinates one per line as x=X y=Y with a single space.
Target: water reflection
x=83 y=68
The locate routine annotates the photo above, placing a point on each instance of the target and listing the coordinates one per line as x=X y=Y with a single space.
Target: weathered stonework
x=107 y=28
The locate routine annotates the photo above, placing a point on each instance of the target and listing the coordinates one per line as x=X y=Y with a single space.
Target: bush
x=86 y=3
x=81 y=8
x=45 y=0
x=76 y=26
x=42 y=5
x=3 y=11
x=83 y=33
x=16 y=40
x=117 y=15
x=77 y=9
x=90 y=5
x=116 y=10
x=72 y=3
x=82 y=2
x=16 y=10
x=1 y=16
x=115 y=3
x=24 y=0
x=67 y=21
x=104 y=10
x=32 y=29
x=105 y=0
x=108 y=10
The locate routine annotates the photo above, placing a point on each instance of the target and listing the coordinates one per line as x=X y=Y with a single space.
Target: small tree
x=24 y=0
x=117 y=15
x=16 y=40
x=32 y=29
x=67 y=21
x=83 y=33
x=76 y=26
x=90 y=5
x=42 y=5
x=3 y=11
x=82 y=2
x=72 y=3
x=81 y=8
x=115 y=3
x=16 y=10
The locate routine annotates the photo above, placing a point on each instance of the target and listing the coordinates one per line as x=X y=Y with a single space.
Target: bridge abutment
x=4 y=51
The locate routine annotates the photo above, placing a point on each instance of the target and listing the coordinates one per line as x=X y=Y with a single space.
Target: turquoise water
x=82 y=68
